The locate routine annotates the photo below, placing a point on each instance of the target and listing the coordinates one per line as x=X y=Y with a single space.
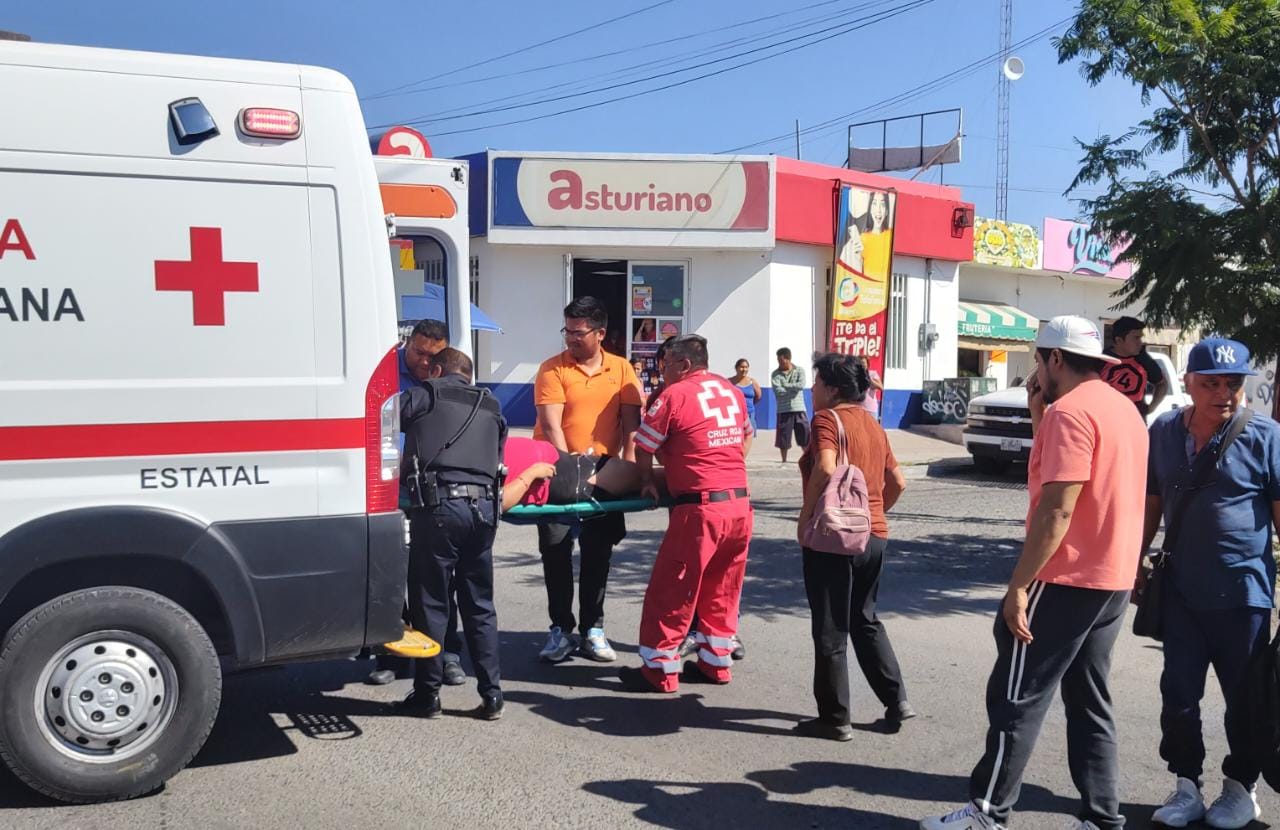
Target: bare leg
x=622 y=478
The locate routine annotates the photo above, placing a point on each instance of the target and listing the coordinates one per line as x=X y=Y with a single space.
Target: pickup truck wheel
x=990 y=465
x=108 y=692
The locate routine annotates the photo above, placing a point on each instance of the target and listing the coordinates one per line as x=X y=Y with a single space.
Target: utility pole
x=1002 y=112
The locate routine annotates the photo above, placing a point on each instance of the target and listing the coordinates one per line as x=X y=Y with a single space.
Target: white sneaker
x=968 y=817
x=1184 y=805
x=596 y=646
x=558 y=648
x=1235 y=808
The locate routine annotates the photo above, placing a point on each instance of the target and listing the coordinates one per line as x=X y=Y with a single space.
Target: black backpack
x=1261 y=692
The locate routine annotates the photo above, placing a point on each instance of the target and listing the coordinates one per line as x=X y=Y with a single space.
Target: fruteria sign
x=631 y=199
x=1072 y=248
x=1007 y=244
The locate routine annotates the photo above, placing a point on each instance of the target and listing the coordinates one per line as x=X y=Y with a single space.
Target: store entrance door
x=646 y=301
x=606 y=280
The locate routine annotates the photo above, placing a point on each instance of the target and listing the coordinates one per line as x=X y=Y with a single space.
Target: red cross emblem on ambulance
x=207 y=276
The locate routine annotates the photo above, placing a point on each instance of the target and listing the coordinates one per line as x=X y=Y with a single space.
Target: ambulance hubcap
x=106 y=696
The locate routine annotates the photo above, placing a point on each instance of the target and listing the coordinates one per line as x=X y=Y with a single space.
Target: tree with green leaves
x=1206 y=231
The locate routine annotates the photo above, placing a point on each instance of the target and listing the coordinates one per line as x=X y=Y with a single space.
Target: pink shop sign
x=1070 y=247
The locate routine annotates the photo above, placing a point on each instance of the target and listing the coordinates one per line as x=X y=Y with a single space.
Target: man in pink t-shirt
x=1067 y=598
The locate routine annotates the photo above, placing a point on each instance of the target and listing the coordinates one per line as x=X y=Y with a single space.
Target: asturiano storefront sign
x=725 y=198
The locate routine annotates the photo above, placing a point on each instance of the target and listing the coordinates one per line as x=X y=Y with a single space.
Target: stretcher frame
x=571 y=513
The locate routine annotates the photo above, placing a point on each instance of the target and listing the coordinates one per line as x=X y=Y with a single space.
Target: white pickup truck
x=998 y=428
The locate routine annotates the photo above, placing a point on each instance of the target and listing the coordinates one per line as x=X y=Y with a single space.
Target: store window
x=657 y=311
x=897 y=349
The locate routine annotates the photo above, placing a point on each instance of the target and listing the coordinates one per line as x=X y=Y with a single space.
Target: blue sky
x=403 y=43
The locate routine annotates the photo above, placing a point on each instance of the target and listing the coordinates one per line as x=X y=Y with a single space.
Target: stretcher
x=569 y=513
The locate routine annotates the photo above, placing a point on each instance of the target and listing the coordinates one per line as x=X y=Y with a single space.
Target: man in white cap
x=1067 y=596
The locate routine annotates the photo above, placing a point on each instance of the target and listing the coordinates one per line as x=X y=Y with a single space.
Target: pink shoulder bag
x=841 y=520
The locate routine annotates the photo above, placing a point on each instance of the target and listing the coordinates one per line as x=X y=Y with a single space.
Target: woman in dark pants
x=842 y=589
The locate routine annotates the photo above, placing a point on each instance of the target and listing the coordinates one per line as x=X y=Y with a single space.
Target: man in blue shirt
x=1220 y=577
x=427 y=338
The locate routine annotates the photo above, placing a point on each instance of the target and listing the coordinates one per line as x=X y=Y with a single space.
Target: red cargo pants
x=699 y=569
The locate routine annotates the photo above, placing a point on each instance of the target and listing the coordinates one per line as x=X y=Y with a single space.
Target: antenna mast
x=1002 y=114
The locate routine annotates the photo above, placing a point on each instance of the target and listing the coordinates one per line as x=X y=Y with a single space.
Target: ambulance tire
x=110 y=618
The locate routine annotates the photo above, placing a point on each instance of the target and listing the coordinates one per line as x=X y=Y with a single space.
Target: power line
x=1051 y=190
x=843 y=29
x=920 y=90
x=530 y=47
x=599 y=55
x=1026 y=143
x=942 y=81
x=666 y=61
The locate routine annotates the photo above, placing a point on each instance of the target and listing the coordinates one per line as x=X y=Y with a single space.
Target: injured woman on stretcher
x=538 y=474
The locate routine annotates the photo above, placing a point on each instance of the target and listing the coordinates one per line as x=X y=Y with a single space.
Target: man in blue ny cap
x=1219 y=467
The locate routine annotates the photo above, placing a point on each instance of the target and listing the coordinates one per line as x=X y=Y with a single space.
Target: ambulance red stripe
x=38 y=443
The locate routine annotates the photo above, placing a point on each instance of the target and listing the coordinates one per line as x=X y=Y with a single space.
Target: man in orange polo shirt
x=588 y=402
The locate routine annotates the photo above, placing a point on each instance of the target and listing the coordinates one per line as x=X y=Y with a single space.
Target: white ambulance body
x=198 y=455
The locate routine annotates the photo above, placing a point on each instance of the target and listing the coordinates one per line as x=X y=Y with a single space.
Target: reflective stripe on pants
x=699 y=569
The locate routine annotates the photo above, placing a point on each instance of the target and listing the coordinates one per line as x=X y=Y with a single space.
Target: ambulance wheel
x=106 y=693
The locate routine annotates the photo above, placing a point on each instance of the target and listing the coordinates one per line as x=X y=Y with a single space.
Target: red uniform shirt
x=698 y=423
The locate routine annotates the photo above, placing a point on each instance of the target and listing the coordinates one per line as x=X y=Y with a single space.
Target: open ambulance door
x=428 y=198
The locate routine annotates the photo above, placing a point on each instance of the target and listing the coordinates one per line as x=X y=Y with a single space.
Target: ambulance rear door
x=428 y=198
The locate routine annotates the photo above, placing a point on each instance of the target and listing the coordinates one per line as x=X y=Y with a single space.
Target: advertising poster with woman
x=864 y=259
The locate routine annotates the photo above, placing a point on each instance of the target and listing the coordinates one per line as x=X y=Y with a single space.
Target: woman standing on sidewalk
x=751 y=393
x=842 y=589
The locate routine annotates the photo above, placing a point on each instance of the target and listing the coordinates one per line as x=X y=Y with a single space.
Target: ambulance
x=199 y=455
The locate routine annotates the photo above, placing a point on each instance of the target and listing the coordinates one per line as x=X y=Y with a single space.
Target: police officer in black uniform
x=454 y=436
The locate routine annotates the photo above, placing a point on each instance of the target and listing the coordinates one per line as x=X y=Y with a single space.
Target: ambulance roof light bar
x=267 y=122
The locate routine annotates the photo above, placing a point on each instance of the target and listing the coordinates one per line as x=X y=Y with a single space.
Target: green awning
x=1002 y=322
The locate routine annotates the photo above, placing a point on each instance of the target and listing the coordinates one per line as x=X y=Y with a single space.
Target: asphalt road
x=310 y=746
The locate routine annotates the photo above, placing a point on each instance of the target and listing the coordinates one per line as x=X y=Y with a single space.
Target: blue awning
x=430 y=306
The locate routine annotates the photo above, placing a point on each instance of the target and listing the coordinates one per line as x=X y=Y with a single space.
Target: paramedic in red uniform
x=697 y=425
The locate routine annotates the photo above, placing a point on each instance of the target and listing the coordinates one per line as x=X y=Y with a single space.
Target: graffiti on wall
x=1260 y=389
x=947 y=401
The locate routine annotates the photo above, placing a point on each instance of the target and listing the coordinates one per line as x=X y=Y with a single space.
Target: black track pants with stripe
x=1073 y=631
